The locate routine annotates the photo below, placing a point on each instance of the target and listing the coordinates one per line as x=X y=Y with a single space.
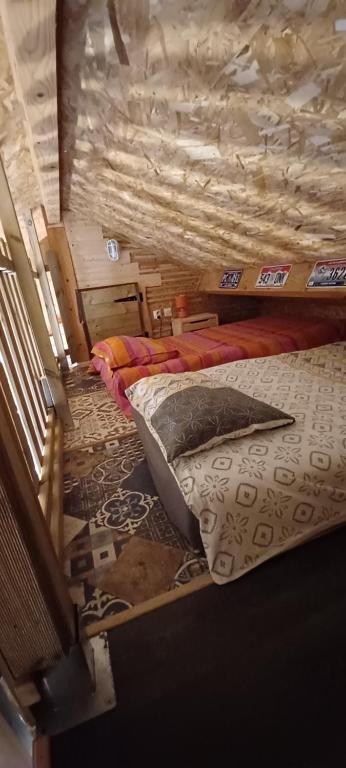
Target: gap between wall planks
x=295 y=286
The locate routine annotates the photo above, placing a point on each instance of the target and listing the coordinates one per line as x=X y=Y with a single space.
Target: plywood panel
x=30 y=31
x=163 y=279
x=105 y=327
x=111 y=312
x=222 y=138
x=109 y=309
x=93 y=267
x=112 y=294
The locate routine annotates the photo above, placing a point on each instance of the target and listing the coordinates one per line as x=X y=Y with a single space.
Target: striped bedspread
x=259 y=337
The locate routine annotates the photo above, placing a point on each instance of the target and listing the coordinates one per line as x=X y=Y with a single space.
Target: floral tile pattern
x=124 y=544
x=96 y=418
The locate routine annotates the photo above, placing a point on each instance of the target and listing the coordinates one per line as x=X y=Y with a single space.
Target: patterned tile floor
x=96 y=417
x=120 y=547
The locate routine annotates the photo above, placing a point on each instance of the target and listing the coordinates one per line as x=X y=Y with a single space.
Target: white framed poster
x=274 y=276
x=328 y=274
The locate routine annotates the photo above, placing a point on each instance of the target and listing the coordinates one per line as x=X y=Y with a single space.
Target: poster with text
x=328 y=274
x=274 y=276
x=231 y=278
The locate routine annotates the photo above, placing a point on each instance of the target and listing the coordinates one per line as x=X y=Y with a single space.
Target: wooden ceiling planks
x=30 y=34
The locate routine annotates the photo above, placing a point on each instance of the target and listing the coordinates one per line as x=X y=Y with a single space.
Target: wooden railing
x=21 y=369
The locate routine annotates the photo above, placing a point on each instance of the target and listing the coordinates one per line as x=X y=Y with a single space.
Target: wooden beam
x=64 y=281
x=119 y=44
x=45 y=486
x=110 y=622
x=16 y=246
x=30 y=34
x=46 y=293
x=295 y=287
x=51 y=492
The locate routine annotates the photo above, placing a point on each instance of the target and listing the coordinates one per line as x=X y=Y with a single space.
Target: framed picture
x=328 y=274
x=231 y=278
x=274 y=276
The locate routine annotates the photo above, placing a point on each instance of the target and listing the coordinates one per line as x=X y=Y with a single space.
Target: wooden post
x=22 y=267
x=46 y=293
x=64 y=281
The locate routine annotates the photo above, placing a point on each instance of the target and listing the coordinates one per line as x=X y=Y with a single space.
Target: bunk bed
x=258 y=337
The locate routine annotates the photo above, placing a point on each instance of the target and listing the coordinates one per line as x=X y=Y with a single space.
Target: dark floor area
x=249 y=674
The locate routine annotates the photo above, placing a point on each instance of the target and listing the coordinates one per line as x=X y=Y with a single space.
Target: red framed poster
x=274 y=276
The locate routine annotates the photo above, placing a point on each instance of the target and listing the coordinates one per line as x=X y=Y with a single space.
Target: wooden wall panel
x=108 y=312
x=295 y=286
x=159 y=280
x=175 y=278
x=93 y=268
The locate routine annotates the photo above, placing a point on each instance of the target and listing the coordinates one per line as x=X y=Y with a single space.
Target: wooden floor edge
x=41 y=752
x=199 y=582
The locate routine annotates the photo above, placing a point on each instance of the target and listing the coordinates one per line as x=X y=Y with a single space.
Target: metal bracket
x=79 y=688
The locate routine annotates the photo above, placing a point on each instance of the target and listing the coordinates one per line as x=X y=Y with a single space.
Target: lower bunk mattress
x=250 y=498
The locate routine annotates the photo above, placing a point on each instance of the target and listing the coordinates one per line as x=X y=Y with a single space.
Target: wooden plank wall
x=304 y=307
x=105 y=309
x=159 y=280
x=92 y=266
x=175 y=278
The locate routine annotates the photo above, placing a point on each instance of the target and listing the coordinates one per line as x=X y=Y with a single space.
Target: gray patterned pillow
x=198 y=417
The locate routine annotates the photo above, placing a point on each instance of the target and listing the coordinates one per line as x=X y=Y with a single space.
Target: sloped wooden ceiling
x=213 y=131
x=14 y=146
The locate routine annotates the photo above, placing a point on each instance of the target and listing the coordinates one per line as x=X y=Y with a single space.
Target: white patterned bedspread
x=259 y=495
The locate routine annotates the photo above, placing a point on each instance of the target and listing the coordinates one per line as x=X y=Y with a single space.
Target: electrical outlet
x=157 y=314
x=167 y=311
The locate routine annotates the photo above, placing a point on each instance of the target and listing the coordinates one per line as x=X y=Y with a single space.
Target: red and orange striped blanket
x=258 y=337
